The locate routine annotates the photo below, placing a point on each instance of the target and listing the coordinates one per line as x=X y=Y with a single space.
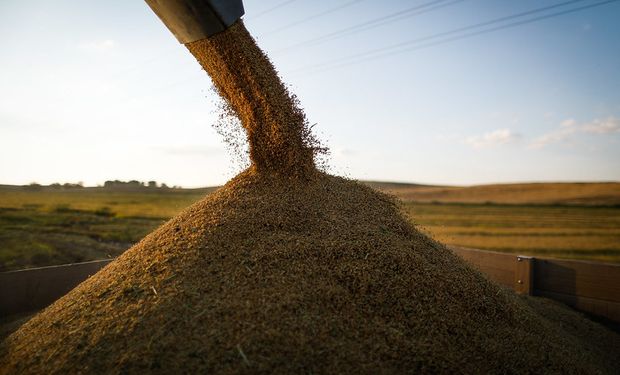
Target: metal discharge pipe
x=192 y=20
x=279 y=140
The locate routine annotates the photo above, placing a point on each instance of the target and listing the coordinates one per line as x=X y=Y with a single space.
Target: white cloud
x=568 y=123
x=98 y=46
x=494 y=138
x=605 y=126
x=559 y=135
x=569 y=129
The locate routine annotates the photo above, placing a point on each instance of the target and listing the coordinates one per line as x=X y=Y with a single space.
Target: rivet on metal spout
x=192 y=20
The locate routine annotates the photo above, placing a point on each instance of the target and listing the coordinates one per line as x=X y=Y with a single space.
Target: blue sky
x=94 y=90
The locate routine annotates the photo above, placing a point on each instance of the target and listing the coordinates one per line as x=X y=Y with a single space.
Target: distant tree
x=33 y=186
x=164 y=186
x=69 y=185
x=133 y=184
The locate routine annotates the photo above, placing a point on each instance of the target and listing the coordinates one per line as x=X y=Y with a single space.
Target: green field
x=54 y=226
x=572 y=232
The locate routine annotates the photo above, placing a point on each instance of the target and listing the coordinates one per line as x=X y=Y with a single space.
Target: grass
x=45 y=226
x=145 y=202
x=572 y=232
x=582 y=194
x=29 y=237
x=54 y=226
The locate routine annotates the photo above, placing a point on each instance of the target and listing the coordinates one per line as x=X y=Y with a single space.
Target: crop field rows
x=591 y=233
x=40 y=228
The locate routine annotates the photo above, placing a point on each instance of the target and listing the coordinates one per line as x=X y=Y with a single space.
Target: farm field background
x=47 y=226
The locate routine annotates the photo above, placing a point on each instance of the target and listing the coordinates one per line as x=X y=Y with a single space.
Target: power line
x=397 y=48
x=446 y=33
x=384 y=52
x=373 y=23
x=314 y=16
x=273 y=8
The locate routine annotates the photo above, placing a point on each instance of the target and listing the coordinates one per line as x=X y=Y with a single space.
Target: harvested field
x=570 y=232
x=52 y=226
x=569 y=193
x=288 y=270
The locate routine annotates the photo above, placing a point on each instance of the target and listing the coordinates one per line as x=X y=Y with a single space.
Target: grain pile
x=311 y=274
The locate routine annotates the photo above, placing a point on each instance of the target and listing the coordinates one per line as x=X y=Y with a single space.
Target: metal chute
x=192 y=20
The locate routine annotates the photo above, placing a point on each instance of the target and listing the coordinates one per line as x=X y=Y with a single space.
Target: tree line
x=110 y=184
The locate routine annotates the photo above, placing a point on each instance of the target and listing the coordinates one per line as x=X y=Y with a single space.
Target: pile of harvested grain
x=317 y=276
x=296 y=275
